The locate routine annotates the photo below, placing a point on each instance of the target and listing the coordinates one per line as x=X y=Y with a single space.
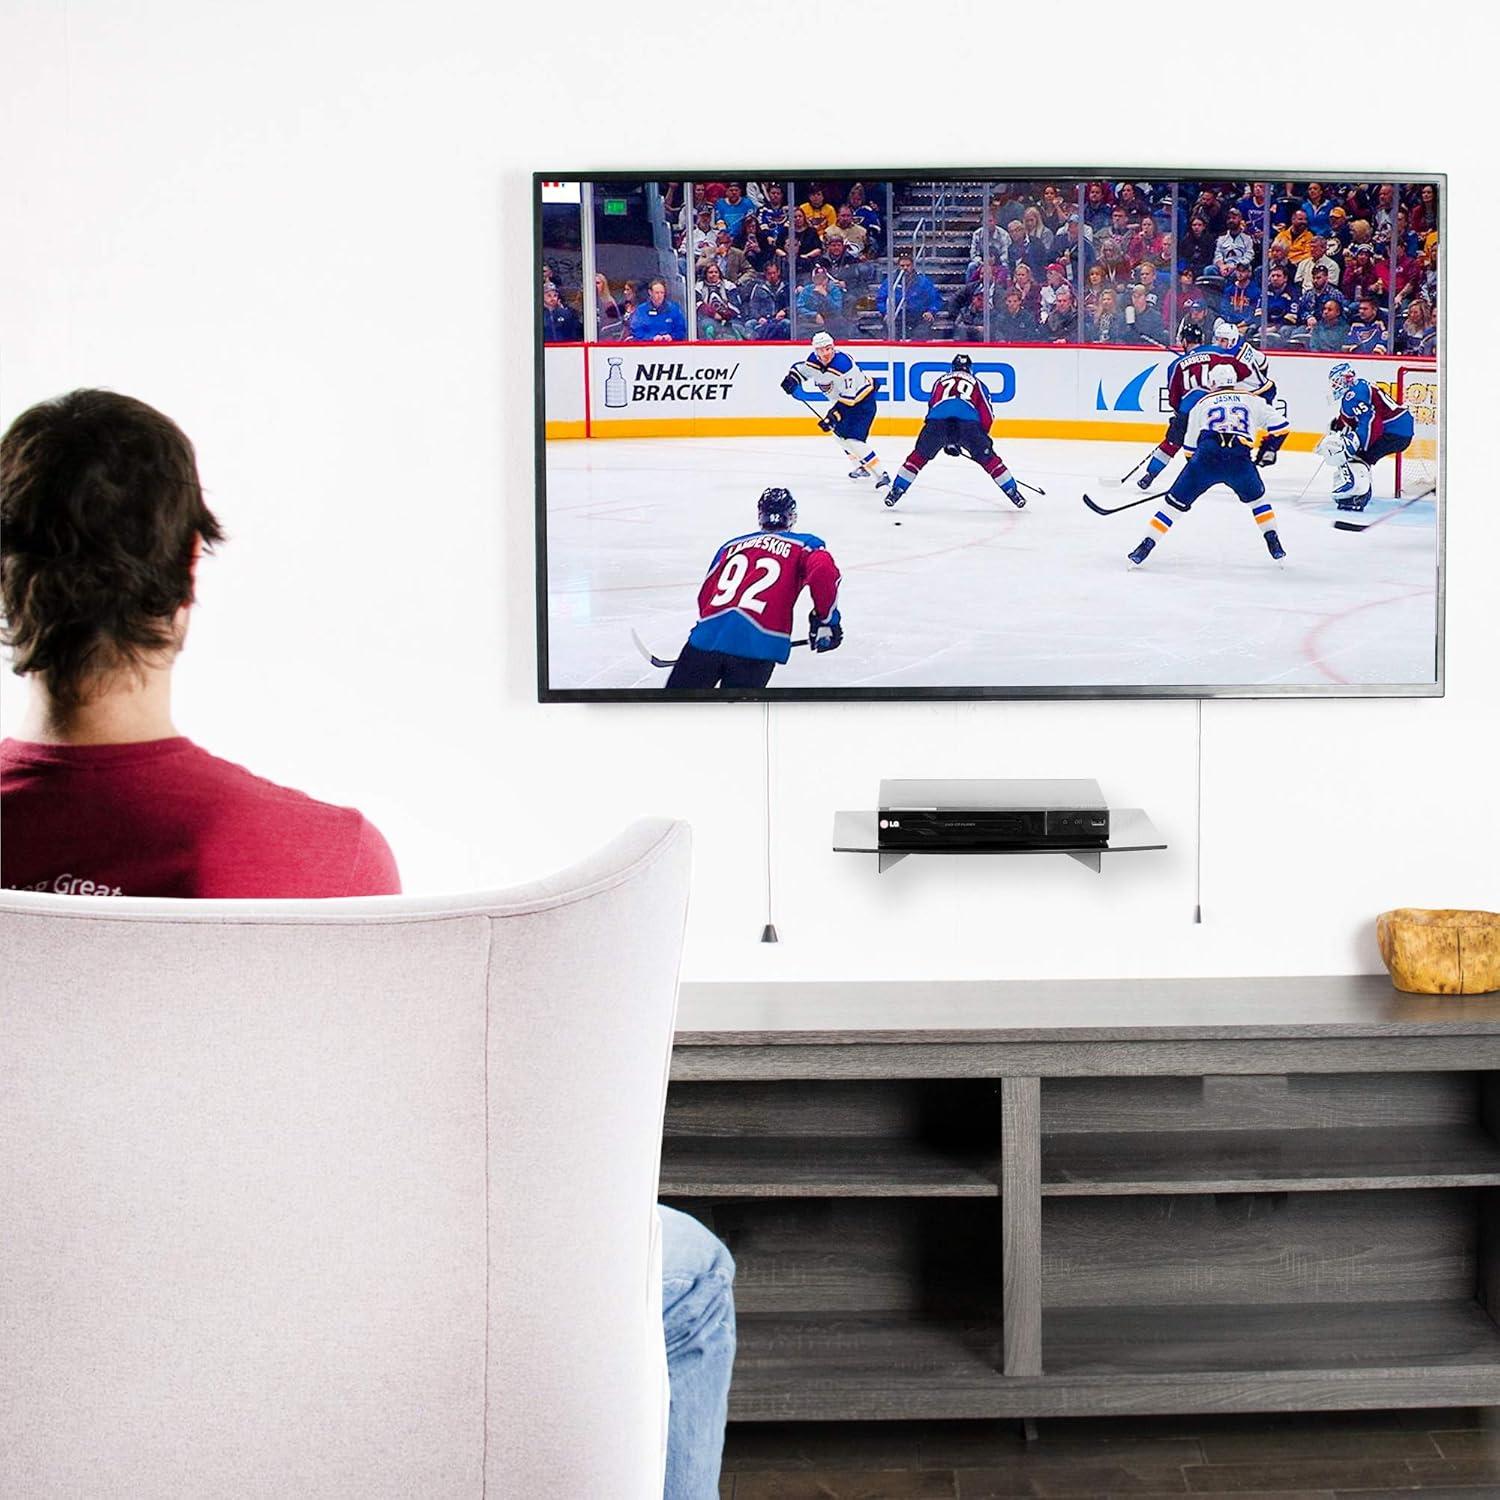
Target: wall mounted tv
x=1007 y=433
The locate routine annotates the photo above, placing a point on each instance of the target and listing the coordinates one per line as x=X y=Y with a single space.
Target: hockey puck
x=898 y=523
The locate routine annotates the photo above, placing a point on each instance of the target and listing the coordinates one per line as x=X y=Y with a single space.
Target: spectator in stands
x=1152 y=275
x=1143 y=320
x=1013 y=323
x=819 y=212
x=844 y=268
x=968 y=320
x=610 y=315
x=630 y=299
x=911 y=303
x=560 y=324
x=1385 y=207
x=990 y=232
x=1209 y=207
x=1317 y=206
x=1097 y=207
x=773 y=219
x=1367 y=333
x=719 y=308
x=1418 y=332
x=1107 y=326
x=1234 y=247
x=703 y=237
x=1112 y=260
x=806 y=241
x=767 y=315
x=1254 y=209
x=820 y=304
x=1322 y=291
x=856 y=236
x=1093 y=285
x=1074 y=248
x=1057 y=274
x=1281 y=307
x=658 y=320
x=1416 y=277
x=1279 y=257
x=1035 y=246
x=1148 y=239
x=1129 y=201
x=1338 y=229
x=1318 y=256
x=1329 y=332
x=1297 y=237
x=1240 y=302
x=1120 y=225
x=733 y=209
x=866 y=214
x=1061 y=324
x=1195 y=311
x=1424 y=212
x=1196 y=248
x=1053 y=210
x=1367 y=277
x=1029 y=290
x=758 y=255
x=722 y=253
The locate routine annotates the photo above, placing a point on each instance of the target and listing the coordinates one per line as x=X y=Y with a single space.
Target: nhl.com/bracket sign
x=630 y=379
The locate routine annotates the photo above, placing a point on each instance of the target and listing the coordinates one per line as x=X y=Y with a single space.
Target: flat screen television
x=964 y=434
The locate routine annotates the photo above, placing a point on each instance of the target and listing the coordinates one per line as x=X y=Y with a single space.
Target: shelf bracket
x=885 y=858
x=1088 y=857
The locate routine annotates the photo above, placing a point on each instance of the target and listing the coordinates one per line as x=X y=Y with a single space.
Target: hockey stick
x=1127 y=477
x=671 y=661
x=822 y=422
x=1021 y=483
x=1100 y=510
x=1380 y=520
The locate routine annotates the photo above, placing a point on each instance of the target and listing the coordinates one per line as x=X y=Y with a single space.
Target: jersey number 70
x=740 y=583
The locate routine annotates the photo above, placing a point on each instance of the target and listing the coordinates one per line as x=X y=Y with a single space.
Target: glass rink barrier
x=1316 y=266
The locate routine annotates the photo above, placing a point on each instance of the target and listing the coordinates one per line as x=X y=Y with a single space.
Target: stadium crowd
x=1346 y=267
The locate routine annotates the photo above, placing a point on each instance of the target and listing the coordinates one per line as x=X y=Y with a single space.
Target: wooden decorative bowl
x=1441 y=952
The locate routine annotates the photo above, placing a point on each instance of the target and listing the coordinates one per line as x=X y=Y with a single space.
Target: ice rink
x=955 y=588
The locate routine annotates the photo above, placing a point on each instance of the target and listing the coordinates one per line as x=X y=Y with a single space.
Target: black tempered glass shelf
x=1130 y=832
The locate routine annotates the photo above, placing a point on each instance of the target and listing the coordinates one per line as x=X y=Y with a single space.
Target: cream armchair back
x=312 y=1200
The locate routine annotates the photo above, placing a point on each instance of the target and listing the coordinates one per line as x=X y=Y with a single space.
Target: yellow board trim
x=702 y=427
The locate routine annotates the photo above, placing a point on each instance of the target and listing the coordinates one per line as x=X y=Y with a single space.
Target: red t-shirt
x=164 y=818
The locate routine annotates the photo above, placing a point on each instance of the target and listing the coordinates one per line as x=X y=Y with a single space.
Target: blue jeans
x=697 y=1314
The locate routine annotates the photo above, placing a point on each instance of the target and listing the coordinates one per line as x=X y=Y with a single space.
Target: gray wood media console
x=1059 y=1198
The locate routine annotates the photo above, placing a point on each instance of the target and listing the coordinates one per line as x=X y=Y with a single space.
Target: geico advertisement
x=633 y=382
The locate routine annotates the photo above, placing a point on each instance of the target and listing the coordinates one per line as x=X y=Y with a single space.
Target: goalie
x=1368 y=426
x=851 y=393
x=958 y=421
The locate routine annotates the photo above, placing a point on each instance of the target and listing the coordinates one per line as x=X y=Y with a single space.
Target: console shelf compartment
x=1039 y=1199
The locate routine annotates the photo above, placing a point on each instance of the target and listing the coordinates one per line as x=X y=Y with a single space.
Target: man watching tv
x=102 y=525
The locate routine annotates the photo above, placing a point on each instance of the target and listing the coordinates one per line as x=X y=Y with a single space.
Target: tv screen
x=1009 y=434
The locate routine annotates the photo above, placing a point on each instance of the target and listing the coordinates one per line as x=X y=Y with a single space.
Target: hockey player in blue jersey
x=851 y=394
x=959 y=414
x=1222 y=429
x=1367 y=427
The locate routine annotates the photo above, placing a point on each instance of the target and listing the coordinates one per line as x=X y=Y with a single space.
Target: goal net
x=1417 y=389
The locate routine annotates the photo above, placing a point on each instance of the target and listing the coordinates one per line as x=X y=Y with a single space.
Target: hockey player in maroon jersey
x=747 y=601
x=1187 y=373
x=959 y=414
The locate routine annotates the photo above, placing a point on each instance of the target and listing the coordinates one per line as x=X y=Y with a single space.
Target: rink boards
x=726 y=389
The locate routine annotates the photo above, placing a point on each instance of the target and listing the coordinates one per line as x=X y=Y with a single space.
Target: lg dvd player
x=992 y=815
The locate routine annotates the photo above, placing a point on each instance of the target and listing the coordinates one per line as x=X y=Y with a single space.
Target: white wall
x=303 y=231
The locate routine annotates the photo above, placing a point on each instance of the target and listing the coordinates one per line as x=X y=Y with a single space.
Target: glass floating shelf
x=1130 y=832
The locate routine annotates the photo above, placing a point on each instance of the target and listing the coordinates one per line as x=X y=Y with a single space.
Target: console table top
x=832 y=1013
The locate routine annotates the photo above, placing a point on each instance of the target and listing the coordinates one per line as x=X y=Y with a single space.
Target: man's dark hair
x=100 y=512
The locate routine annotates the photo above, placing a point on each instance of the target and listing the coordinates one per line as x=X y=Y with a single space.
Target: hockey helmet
x=1221 y=377
x=1189 y=333
x=1226 y=335
x=822 y=341
x=962 y=362
x=777 y=509
x=1341 y=377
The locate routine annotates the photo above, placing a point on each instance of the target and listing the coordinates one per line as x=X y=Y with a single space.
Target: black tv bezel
x=1166 y=692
